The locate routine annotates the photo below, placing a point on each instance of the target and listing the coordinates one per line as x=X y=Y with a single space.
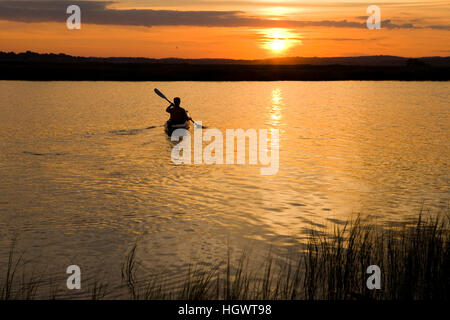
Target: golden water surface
x=81 y=179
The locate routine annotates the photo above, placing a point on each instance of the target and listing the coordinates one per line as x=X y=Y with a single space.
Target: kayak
x=170 y=128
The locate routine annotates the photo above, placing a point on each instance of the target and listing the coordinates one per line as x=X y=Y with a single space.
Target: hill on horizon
x=380 y=60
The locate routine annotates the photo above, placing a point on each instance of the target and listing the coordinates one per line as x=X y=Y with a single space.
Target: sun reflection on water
x=276 y=107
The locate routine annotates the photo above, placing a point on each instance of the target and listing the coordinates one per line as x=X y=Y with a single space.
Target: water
x=81 y=179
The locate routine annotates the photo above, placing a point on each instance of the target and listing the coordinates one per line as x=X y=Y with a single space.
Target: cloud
x=440 y=27
x=101 y=13
x=286 y=3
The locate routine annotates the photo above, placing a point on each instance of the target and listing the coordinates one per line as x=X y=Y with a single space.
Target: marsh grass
x=6 y=286
x=414 y=262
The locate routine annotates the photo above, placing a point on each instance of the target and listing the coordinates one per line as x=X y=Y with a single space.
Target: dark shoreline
x=62 y=67
x=106 y=71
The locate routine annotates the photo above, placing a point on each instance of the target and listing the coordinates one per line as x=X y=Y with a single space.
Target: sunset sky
x=239 y=29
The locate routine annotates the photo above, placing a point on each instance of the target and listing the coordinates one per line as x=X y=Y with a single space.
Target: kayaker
x=177 y=114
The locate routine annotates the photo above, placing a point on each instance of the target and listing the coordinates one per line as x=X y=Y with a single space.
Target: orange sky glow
x=237 y=29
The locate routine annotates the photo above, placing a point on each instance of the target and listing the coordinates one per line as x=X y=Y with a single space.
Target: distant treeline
x=33 y=66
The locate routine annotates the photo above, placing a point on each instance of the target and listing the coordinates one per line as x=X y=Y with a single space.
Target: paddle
x=159 y=93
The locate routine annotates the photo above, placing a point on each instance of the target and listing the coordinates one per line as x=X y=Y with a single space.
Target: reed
x=414 y=262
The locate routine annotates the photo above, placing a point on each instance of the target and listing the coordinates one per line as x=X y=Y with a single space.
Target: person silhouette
x=178 y=115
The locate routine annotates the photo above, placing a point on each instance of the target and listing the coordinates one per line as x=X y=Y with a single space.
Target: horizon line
x=228 y=59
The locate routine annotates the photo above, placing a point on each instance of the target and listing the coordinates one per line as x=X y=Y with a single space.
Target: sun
x=279 y=40
x=277 y=45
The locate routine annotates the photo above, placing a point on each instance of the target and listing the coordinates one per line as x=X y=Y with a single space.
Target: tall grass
x=414 y=263
x=6 y=284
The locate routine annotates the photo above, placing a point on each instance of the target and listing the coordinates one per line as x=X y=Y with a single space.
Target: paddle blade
x=198 y=125
x=159 y=93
